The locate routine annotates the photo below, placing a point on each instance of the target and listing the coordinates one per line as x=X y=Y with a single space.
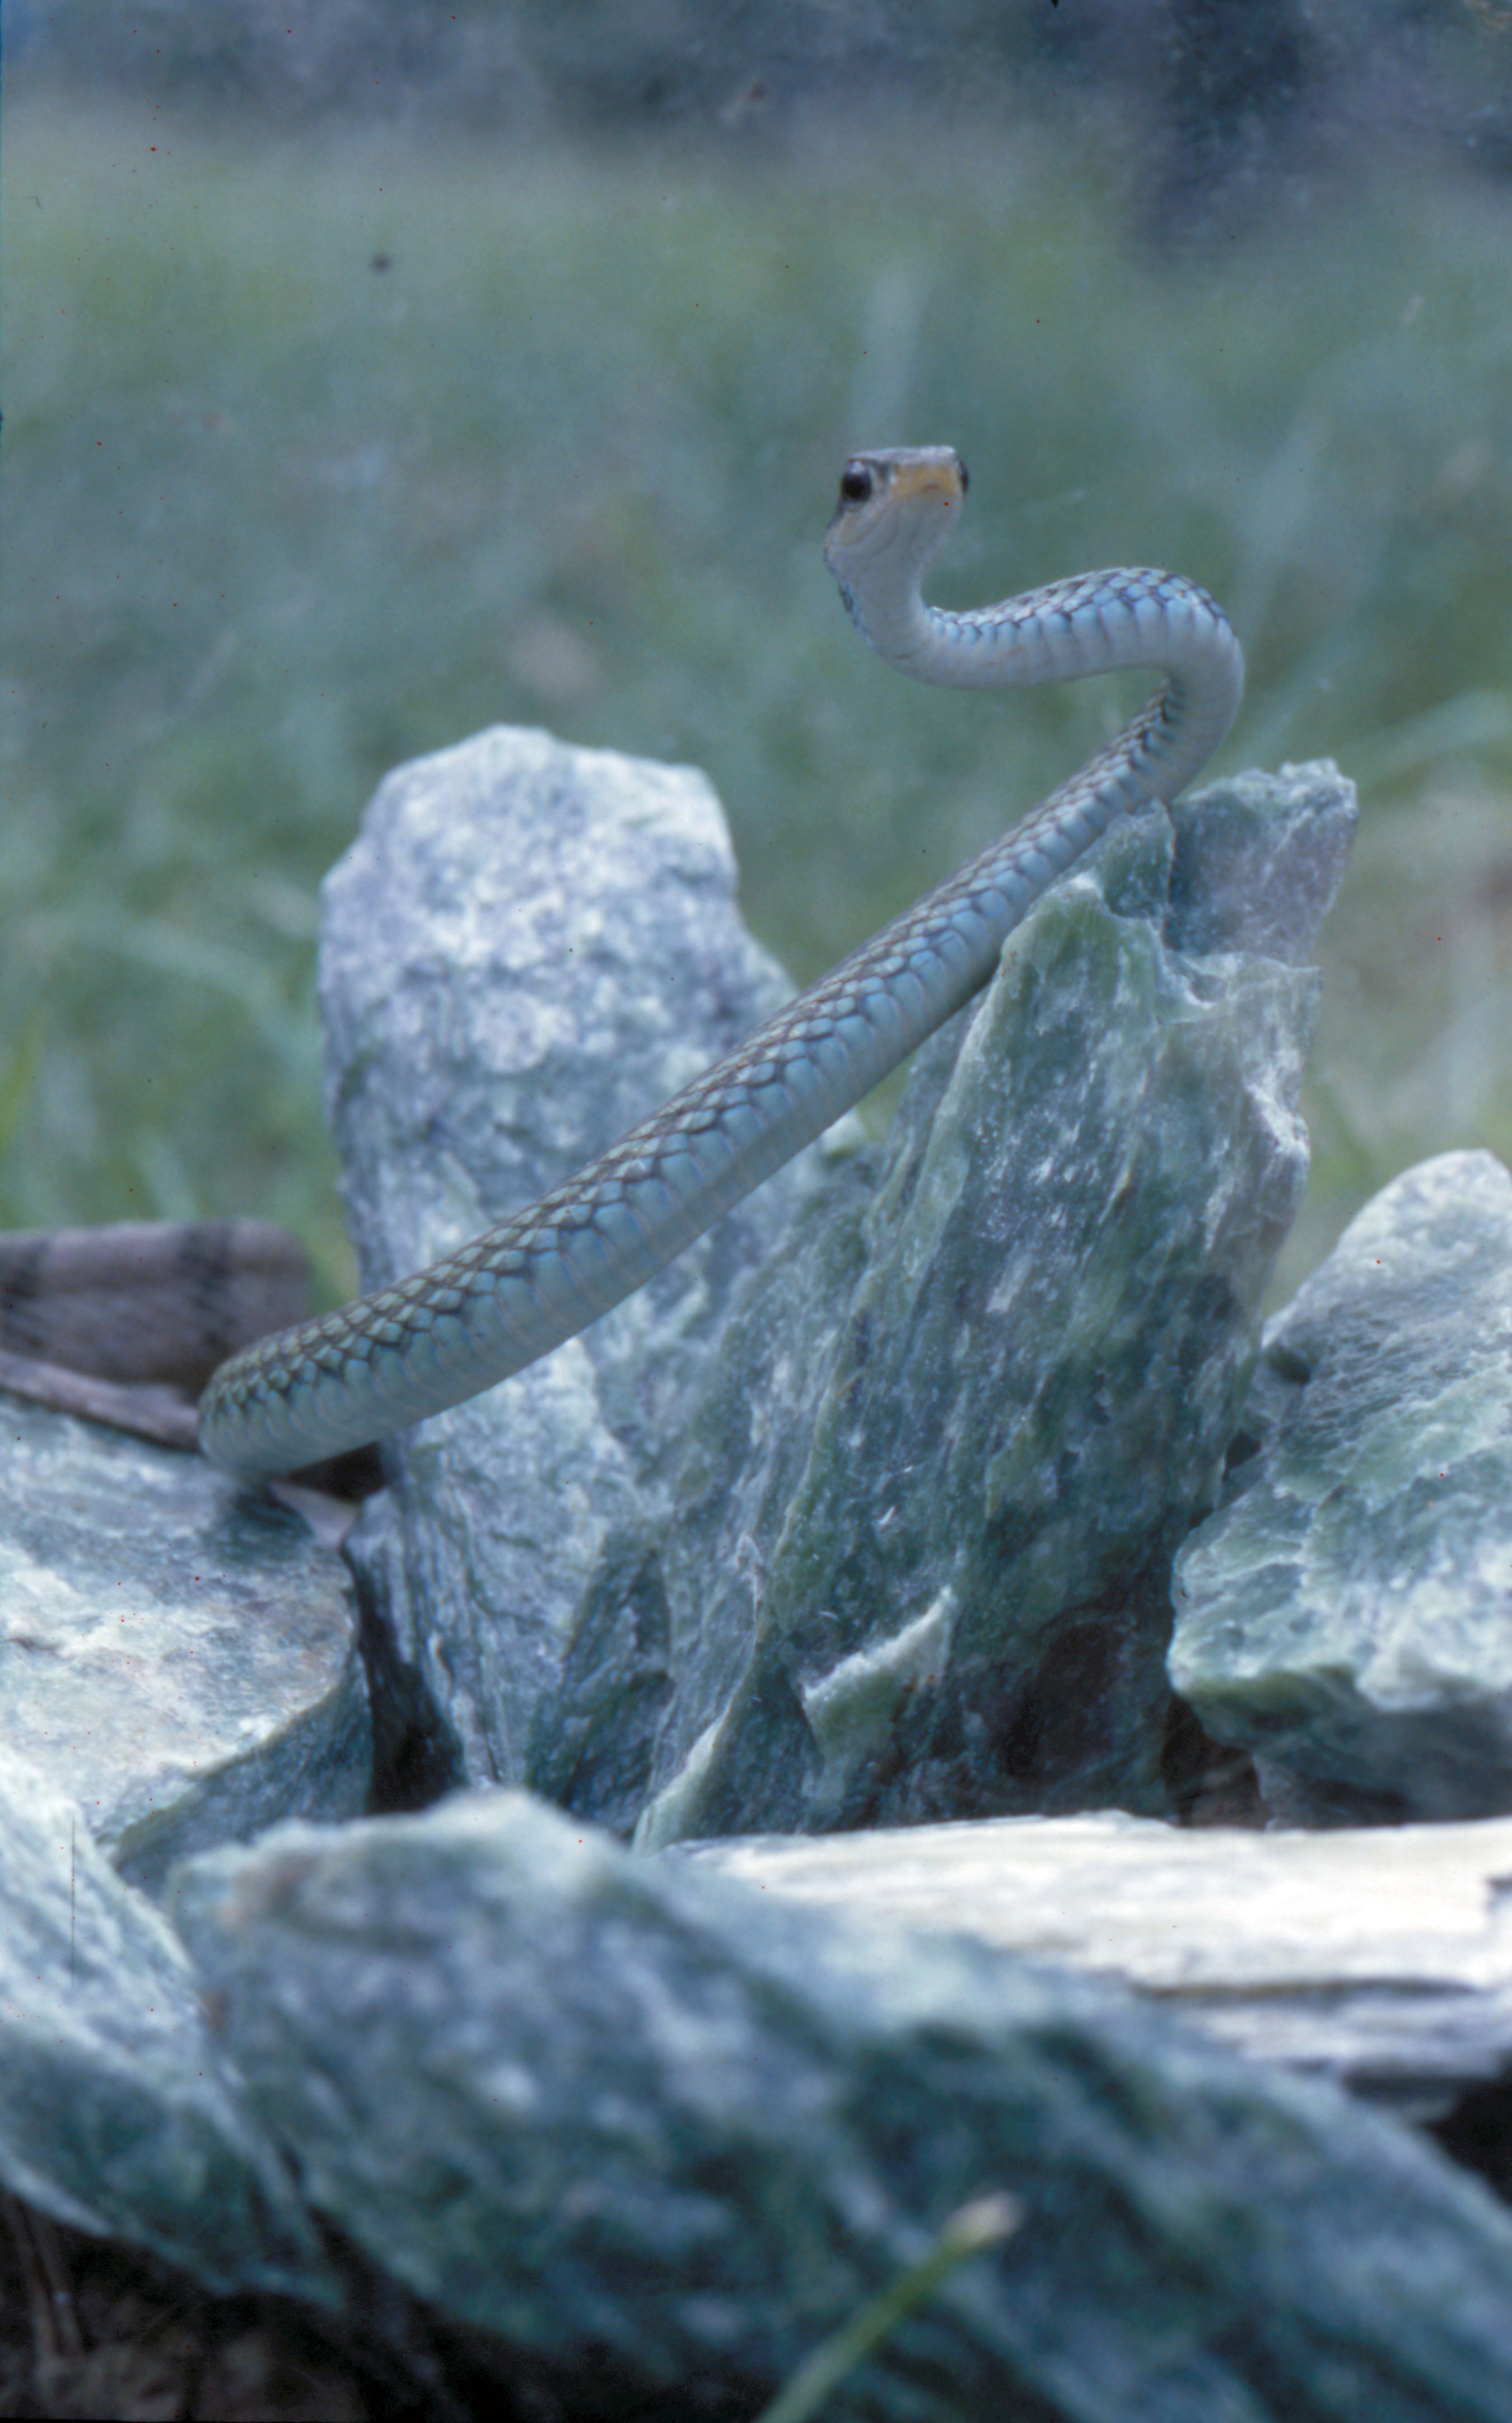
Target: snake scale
x=514 y=1293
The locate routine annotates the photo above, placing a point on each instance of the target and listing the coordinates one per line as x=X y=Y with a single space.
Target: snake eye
x=856 y=483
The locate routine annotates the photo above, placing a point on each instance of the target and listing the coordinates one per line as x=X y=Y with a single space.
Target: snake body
x=543 y=1275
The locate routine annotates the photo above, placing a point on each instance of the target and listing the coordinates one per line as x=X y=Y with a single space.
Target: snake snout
x=930 y=472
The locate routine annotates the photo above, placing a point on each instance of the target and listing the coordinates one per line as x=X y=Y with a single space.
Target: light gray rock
x=530 y=947
x=118 y=2113
x=1346 y=1614
x=920 y=1562
x=662 y=2133
x=177 y=1653
x=1258 y=862
x=1380 y=1960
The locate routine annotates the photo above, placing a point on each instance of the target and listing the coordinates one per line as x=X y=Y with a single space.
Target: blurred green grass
x=322 y=452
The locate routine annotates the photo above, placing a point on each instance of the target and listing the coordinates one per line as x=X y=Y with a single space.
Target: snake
x=407 y=1351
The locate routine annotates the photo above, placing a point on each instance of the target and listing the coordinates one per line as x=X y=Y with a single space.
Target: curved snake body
x=538 y=1279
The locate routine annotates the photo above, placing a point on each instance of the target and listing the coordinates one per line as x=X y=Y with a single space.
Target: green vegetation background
x=322 y=451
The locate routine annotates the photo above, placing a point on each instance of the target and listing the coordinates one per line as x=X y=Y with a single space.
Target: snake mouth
x=929 y=478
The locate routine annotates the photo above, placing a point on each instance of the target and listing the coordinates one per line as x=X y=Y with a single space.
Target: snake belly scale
x=540 y=1276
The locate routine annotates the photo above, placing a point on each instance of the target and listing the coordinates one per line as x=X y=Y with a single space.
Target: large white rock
x=530 y=947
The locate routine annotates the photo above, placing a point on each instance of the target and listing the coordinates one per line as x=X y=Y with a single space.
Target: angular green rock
x=1348 y=1612
x=121 y=2113
x=919 y=1563
x=180 y=1654
x=661 y=2133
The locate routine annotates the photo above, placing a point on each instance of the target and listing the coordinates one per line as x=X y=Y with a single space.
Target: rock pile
x=855 y=1541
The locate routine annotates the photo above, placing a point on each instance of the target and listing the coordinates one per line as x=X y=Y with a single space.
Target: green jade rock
x=1346 y=1614
x=919 y=1563
x=120 y=2114
x=658 y=2135
x=177 y=1654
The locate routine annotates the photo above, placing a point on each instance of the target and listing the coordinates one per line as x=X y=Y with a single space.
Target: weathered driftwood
x=1379 y=1957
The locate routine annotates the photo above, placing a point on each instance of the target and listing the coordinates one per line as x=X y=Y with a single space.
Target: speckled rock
x=919 y=1562
x=118 y=2113
x=1346 y=1614
x=661 y=2133
x=529 y=948
x=177 y=1653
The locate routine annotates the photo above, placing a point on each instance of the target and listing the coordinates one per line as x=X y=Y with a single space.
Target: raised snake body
x=540 y=1278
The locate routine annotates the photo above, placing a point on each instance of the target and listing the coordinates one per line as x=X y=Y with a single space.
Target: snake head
x=897 y=508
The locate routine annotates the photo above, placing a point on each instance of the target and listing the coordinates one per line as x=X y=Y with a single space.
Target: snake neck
x=1100 y=622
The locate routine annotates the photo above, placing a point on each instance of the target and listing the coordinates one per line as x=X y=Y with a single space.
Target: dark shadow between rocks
x=1477 y=2134
x=415 y=1759
x=1209 y=1783
x=89 y=2327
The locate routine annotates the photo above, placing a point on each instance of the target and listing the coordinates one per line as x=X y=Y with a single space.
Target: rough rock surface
x=1346 y=1614
x=664 y=2133
x=920 y=1562
x=119 y=2114
x=529 y=948
x=179 y=1655
x=1381 y=1959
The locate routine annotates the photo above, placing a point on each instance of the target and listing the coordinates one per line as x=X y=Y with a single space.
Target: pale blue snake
x=540 y=1278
